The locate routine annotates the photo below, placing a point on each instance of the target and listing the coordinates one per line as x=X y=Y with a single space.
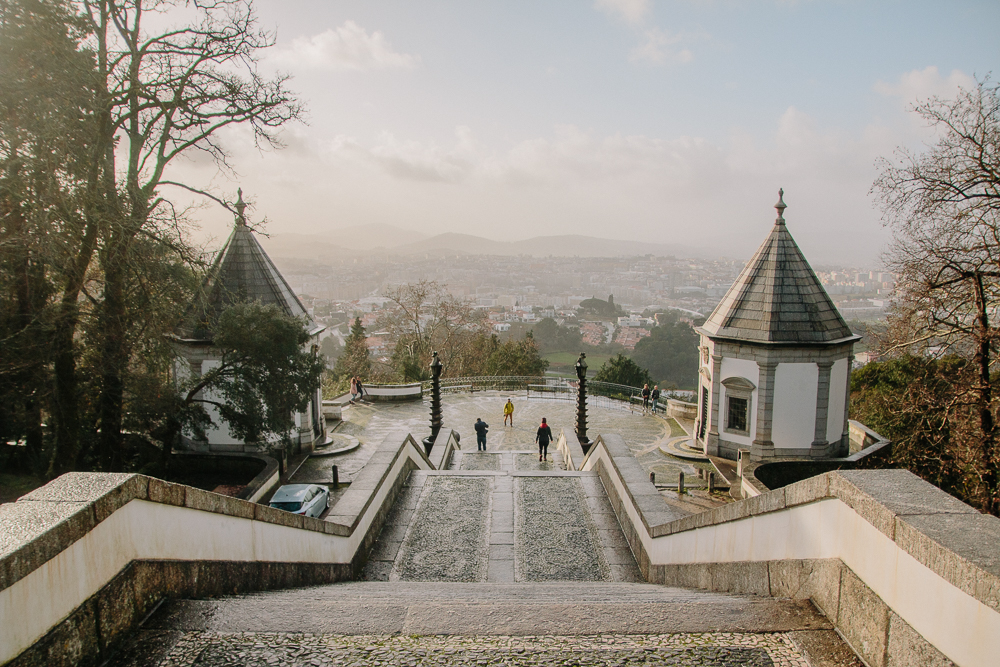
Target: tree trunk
x=984 y=390
x=114 y=355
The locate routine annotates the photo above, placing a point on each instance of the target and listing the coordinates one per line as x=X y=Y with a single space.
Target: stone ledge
x=48 y=520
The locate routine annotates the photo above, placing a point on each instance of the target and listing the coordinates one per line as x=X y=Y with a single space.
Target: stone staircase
x=499 y=560
x=503 y=517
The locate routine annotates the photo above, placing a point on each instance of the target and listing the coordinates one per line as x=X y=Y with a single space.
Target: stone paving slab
x=489 y=609
x=219 y=649
x=214 y=649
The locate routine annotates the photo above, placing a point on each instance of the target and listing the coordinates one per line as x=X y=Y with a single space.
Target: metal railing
x=599 y=394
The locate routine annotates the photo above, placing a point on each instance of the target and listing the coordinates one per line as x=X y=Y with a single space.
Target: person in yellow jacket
x=508 y=413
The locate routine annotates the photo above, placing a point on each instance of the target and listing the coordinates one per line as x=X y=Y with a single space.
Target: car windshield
x=288 y=507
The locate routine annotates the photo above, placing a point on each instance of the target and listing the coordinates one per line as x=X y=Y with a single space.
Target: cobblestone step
x=413 y=623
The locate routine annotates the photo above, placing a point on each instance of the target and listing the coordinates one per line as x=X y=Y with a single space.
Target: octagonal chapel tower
x=775 y=365
x=242 y=273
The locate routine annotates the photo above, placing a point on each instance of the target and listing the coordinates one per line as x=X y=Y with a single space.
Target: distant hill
x=345 y=242
x=386 y=239
x=567 y=245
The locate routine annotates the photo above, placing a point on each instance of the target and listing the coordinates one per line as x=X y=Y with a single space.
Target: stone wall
x=908 y=574
x=87 y=555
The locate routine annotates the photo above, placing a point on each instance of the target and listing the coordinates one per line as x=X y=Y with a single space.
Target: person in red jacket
x=543 y=437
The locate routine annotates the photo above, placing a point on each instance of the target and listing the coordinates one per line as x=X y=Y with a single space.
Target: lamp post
x=435 y=403
x=581 y=402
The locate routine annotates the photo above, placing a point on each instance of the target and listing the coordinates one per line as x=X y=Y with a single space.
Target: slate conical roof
x=777 y=298
x=242 y=273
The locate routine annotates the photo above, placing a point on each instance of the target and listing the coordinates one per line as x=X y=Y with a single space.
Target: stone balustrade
x=908 y=574
x=86 y=556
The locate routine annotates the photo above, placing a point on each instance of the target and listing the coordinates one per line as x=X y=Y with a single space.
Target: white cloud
x=349 y=47
x=413 y=160
x=660 y=48
x=631 y=11
x=682 y=189
x=920 y=84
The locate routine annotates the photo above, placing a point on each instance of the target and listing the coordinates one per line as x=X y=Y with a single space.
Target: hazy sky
x=670 y=121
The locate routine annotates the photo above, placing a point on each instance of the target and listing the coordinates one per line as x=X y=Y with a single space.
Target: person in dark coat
x=543 y=437
x=481 y=429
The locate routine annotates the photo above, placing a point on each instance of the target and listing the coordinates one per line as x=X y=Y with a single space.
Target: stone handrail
x=444 y=448
x=907 y=573
x=569 y=446
x=86 y=556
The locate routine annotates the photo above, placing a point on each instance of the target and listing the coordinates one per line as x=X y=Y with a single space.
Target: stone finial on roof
x=780 y=206
x=240 y=207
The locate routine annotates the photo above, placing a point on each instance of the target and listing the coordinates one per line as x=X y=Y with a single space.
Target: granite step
x=424 y=623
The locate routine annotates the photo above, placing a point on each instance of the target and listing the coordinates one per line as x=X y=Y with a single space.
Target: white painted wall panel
x=794 y=418
x=838 y=396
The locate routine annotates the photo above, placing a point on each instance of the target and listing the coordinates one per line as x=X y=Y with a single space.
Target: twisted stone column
x=436 y=421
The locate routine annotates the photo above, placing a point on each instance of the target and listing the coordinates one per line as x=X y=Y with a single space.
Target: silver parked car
x=307 y=499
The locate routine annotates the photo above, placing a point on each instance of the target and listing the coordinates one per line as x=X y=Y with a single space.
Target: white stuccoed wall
x=838 y=396
x=794 y=417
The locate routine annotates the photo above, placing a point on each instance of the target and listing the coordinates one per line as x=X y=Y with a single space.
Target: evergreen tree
x=670 y=352
x=619 y=369
x=517 y=357
x=354 y=360
x=266 y=374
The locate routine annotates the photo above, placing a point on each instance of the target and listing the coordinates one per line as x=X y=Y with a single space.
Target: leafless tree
x=424 y=317
x=943 y=206
x=163 y=92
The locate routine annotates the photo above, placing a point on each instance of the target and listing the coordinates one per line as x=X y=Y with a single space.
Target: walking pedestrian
x=361 y=388
x=354 y=388
x=655 y=396
x=543 y=437
x=508 y=413
x=481 y=429
x=645 y=398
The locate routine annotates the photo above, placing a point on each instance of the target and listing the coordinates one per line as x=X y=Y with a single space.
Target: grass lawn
x=560 y=360
x=13 y=487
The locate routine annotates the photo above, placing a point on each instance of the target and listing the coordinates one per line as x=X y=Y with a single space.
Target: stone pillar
x=845 y=439
x=581 y=403
x=762 y=447
x=436 y=420
x=820 y=444
x=712 y=438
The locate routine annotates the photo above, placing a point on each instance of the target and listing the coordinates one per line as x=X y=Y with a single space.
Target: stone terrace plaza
x=370 y=423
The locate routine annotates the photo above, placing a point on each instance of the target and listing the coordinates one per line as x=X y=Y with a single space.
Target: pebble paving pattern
x=447 y=540
x=214 y=649
x=553 y=538
x=480 y=461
